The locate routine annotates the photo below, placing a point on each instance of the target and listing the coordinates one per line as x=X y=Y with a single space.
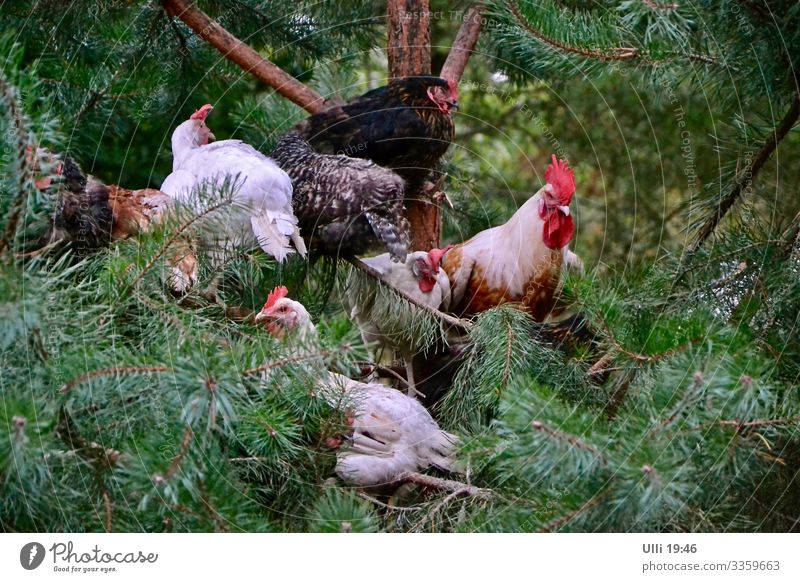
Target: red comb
x=453 y=86
x=202 y=113
x=274 y=295
x=561 y=178
x=435 y=256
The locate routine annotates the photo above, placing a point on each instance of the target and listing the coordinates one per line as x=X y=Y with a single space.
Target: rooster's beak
x=453 y=104
x=564 y=209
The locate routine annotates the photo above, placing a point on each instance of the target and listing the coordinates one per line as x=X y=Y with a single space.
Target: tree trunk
x=409 y=53
x=409 y=47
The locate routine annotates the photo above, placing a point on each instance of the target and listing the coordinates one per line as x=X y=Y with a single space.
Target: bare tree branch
x=235 y=50
x=465 y=42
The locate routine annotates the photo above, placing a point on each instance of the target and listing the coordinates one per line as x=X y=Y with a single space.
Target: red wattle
x=558 y=229
x=426 y=284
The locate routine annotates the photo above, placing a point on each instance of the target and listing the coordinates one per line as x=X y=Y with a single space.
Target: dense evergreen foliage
x=123 y=408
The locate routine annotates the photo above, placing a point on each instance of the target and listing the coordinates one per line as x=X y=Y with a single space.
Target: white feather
x=260 y=185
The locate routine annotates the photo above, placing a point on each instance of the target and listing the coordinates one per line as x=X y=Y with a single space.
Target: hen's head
x=283 y=315
x=194 y=132
x=421 y=91
x=425 y=267
x=554 y=205
x=444 y=94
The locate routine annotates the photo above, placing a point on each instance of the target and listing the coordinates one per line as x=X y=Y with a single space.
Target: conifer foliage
x=125 y=408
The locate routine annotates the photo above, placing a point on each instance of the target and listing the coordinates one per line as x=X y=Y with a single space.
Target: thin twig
x=740 y=425
x=100 y=456
x=385 y=369
x=747 y=175
x=571 y=440
x=176 y=460
x=509 y=353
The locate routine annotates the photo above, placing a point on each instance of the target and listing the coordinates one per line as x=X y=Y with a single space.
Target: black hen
x=405 y=125
x=343 y=203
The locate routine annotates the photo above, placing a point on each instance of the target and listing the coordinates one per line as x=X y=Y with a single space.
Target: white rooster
x=259 y=184
x=382 y=329
x=393 y=434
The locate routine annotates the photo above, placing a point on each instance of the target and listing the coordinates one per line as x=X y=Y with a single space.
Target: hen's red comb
x=435 y=256
x=561 y=178
x=453 y=86
x=202 y=113
x=274 y=295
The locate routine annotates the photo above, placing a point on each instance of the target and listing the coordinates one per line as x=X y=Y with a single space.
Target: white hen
x=260 y=185
x=382 y=330
x=393 y=434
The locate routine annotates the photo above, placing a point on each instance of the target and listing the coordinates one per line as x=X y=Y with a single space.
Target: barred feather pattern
x=345 y=203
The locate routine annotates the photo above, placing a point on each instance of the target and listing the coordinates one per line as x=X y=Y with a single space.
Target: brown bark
x=409 y=54
x=409 y=46
x=244 y=56
x=465 y=42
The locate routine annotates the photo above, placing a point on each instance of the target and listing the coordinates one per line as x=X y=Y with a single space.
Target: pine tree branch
x=115 y=371
x=608 y=54
x=97 y=454
x=249 y=60
x=464 y=44
x=747 y=175
x=449 y=319
x=557 y=524
x=611 y=54
x=740 y=425
x=176 y=460
x=294 y=360
x=8 y=95
x=175 y=236
x=569 y=439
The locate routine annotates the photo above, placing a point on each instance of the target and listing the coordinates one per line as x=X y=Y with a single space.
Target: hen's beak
x=564 y=209
x=452 y=104
x=211 y=137
x=263 y=316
